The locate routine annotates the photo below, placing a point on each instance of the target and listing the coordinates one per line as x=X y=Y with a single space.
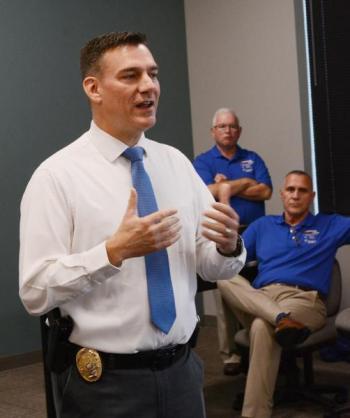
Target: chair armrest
x=342 y=321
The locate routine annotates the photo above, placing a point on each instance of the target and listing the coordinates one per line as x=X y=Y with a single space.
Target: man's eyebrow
x=302 y=189
x=137 y=69
x=129 y=70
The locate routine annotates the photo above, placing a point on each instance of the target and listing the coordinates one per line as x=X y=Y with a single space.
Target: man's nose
x=146 y=83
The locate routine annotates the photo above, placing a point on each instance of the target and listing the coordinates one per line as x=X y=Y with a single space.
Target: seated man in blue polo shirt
x=240 y=178
x=295 y=253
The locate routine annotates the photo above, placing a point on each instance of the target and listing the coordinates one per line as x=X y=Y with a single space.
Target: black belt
x=153 y=359
x=304 y=288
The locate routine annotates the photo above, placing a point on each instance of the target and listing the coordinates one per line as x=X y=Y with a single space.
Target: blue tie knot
x=134 y=154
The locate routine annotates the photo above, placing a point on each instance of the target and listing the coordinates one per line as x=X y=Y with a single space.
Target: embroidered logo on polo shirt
x=310 y=236
x=247 y=166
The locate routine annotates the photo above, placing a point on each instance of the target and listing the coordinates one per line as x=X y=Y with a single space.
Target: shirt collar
x=109 y=146
x=240 y=152
x=308 y=221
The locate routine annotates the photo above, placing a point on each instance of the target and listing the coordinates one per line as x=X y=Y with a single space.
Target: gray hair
x=224 y=110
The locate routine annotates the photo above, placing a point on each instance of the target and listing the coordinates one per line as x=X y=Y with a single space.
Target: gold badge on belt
x=89 y=364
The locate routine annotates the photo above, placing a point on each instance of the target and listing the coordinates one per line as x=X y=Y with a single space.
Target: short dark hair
x=300 y=173
x=92 y=52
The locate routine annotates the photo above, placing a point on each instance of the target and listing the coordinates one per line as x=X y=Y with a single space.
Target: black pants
x=175 y=392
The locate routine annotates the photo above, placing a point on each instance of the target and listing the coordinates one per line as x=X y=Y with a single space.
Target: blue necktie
x=160 y=290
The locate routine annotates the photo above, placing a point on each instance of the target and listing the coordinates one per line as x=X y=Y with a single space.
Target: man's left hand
x=219 y=178
x=222 y=227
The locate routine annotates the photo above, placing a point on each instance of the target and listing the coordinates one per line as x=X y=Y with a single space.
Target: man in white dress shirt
x=83 y=247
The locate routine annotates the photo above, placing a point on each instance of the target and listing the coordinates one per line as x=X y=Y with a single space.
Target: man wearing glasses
x=238 y=177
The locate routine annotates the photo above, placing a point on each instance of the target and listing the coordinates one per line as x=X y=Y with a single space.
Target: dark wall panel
x=329 y=39
x=42 y=106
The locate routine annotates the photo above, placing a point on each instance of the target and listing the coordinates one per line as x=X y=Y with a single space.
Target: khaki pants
x=257 y=309
x=227 y=326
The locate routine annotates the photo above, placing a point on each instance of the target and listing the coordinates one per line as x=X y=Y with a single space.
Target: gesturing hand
x=140 y=236
x=222 y=227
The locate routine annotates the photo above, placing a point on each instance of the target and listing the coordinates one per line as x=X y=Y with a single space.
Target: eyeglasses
x=222 y=127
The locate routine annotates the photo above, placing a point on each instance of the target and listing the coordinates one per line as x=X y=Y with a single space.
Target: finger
x=157 y=217
x=227 y=209
x=166 y=223
x=170 y=239
x=226 y=245
x=131 y=209
x=221 y=228
x=218 y=238
x=159 y=233
x=220 y=177
x=163 y=234
x=215 y=217
x=224 y=214
x=175 y=229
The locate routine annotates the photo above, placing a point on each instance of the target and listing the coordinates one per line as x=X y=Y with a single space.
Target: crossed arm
x=244 y=187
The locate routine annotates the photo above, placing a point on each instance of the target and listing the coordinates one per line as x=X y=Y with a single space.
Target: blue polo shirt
x=303 y=255
x=244 y=163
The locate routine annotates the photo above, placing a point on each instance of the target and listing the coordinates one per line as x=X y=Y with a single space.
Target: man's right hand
x=137 y=236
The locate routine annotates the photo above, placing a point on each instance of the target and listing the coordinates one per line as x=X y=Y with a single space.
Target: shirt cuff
x=97 y=264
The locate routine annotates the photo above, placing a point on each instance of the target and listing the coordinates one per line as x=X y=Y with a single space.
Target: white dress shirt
x=73 y=203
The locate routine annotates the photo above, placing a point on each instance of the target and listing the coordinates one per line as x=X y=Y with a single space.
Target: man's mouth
x=146 y=104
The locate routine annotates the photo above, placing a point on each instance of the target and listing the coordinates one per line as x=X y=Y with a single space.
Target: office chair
x=295 y=390
x=342 y=325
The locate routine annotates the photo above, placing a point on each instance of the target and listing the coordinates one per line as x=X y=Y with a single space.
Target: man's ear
x=92 y=89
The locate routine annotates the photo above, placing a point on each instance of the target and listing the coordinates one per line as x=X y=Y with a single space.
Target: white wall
x=242 y=54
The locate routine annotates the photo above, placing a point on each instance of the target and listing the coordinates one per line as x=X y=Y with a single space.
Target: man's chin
x=297 y=212
x=147 y=122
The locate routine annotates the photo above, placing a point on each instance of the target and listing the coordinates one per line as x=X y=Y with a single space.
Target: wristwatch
x=238 y=250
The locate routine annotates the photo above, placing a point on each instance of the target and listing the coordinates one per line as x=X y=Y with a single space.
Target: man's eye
x=128 y=76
